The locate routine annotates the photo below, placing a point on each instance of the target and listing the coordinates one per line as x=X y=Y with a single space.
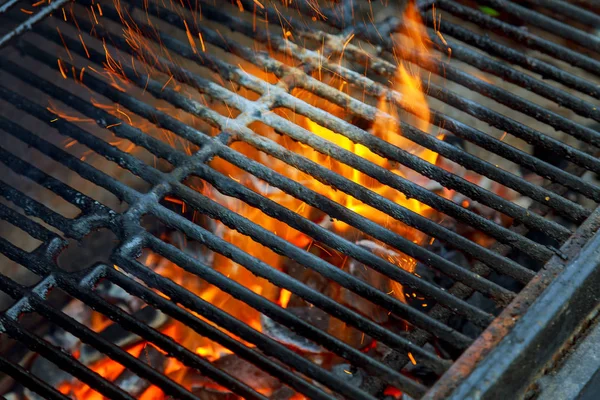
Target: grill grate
x=301 y=374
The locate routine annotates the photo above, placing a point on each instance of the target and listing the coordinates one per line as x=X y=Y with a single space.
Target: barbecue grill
x=117 y=119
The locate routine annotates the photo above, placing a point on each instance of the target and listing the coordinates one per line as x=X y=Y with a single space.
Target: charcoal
x=370 y=276
x=349 y=374
x=283 y=393
x=116 y=334
x=60 y=338
x=214 y=394
x=284 y=335
x=133 y=384
x=116 y=295
x=239 y=369
x=47 y=372
x=310 y=278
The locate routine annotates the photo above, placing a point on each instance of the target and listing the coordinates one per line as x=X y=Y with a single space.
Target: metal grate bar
x=382 y=148
x=31 y=21
x=493 y=47
x=30 y=381
x=495 y=119
x=374 y=88
x=45 y=147
x=406 y=382
x=307 y=82
x=88 y=336
x=505 y=97
x=384 y=267
x=32 y=206
x=81 y=201
x=572 y=11
x=551 y=25
x=66 y=283
x=521 y=35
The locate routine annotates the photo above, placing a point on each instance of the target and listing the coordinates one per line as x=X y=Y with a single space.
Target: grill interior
x=170 y=134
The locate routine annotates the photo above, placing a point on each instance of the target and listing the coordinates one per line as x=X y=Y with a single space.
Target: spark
x=165 y=85
x=412 y=358
x=84 y=46
x=190 y=37
x=201 y=41
x=61 y=68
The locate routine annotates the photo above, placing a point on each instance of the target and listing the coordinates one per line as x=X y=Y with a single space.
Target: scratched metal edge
x=505 y=358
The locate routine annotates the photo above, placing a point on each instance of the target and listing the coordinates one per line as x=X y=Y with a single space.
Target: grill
x=290 y=47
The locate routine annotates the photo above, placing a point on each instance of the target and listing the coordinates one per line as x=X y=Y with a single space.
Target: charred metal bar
x=264 y=343
x=32 y=206
x=546 y=23
x=348 y=129
x=282 y=316
x=66 y=362
x=521 y=35
x=381 y=147
x=31 y=21
x=570 y=10
x=88 y=336
x=459 y=129
x=58 y=154
x=486 y=43
x=505 y=97
x=167 y=344
x=79 y=200
x=480 y=252
x=30 y=381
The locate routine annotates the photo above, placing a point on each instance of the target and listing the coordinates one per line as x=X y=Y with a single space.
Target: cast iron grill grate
x=564 y=221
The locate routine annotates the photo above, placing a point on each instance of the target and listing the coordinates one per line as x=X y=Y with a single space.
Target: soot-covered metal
x=376 y=269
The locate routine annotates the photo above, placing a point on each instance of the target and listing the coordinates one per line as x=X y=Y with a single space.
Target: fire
x=407 y=88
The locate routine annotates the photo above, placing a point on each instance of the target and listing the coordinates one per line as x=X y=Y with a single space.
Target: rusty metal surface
x=499 y=332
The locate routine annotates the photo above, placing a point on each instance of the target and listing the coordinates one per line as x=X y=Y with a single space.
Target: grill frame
x=96 y=216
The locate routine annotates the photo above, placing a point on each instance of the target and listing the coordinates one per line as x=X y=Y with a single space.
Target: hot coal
x=122 y=337
x=283 y=393
x=373 y=278
x=238 y=368
x=349 y=374
x=49 y=373
x=286 y=336
x=133 y=384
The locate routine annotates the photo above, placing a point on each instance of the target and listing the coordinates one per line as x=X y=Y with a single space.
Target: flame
x=407 y=89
